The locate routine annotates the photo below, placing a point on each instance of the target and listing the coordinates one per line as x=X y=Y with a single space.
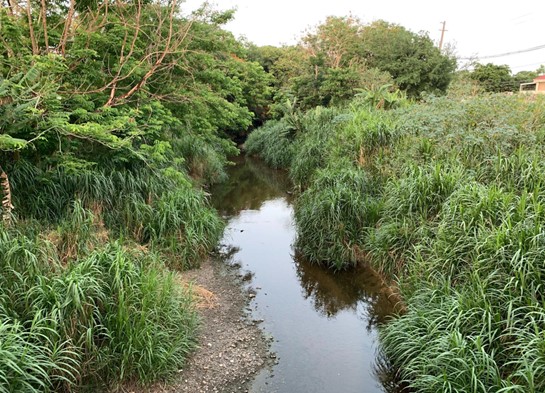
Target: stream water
x=323 y=324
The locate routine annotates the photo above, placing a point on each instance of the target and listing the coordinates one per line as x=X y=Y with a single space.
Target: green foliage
x=463 y=85
x=446 y=199
x=295 y=139
x=101 y=96
x=412 y=203
x=205 y=157
x=112 y=117
x=107 y=315
x=367 y=132
x=160 y=209
x=412 y=60
x=273 y=143
x=333 y=214
x=524 y=77
x=341 y=57
x=314 y=144
x=382 y=98
x=494 y=78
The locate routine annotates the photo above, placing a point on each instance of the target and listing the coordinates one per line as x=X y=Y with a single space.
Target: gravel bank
x=232 y=347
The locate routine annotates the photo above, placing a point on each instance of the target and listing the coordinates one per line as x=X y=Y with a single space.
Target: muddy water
x=323 y=325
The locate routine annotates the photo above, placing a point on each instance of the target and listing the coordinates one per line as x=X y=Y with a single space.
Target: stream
x=323 y=324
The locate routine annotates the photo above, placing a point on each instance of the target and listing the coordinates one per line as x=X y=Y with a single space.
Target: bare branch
x=35 y=49
x=67 y=26
x=170 y=45
x=43 y=11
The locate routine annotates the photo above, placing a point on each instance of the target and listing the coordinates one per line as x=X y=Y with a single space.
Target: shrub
x=105 y=317
x=273 y=143
x=333 y=214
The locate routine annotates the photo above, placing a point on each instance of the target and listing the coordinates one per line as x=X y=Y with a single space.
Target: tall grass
x=105 y=316
x=273 y=142
x=204 y=156
x=298 y=143
x=161 y=209
x=412 y=204
x=314 y=145
x=333 y=215
x=87 y=297
x=473 y=280
x=445 y=197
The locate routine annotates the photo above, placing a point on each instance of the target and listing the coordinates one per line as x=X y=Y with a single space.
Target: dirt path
x=232 y=347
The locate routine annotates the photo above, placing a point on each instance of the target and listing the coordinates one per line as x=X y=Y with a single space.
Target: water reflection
x=324 y=323
x=389 y=376
x=250 y=184
x=332 y=292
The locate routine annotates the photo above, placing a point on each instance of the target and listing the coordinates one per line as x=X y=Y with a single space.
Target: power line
x=521 y=16
x=505 y=54
x=527 y=65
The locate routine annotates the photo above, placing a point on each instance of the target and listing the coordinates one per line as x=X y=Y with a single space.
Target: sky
x=475 y=28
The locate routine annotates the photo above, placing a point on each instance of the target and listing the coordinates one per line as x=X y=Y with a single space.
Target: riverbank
x=232 y=348
x=446 y=198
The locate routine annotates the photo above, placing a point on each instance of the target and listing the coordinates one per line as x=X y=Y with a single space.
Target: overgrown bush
x=273 y=143
x=314 y=145
x=333 y=215
x=101 y=317
x=157 y=208
x=445 y=198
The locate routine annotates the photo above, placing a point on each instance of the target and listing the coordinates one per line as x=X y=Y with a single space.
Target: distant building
x=537 y=86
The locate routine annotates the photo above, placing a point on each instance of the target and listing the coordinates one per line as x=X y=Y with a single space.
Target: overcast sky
x=475 y=28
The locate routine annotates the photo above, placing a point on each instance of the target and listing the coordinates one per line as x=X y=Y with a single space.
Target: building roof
x=540 y=78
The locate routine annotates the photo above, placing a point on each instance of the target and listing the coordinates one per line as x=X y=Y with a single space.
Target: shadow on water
x=324 y=324
x=250 y=184
x=331 y=292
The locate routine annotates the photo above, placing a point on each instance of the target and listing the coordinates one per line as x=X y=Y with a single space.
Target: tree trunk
x=7 y=206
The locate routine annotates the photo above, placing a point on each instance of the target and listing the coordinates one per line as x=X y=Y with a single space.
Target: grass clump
x=160 y=209
x=96 y=319
x=273 y=142
x=471 y=280
x=313 y=146
x=333 y=214
x=87 y=298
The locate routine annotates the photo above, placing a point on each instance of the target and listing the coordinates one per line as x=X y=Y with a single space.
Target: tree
x=340 y=57
x=115 y=79
x=327 y=68
x=415 y=64
x=336 y=43
x=493 y=78
x=462 y=85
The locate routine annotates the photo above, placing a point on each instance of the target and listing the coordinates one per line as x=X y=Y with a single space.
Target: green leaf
x=9 y=143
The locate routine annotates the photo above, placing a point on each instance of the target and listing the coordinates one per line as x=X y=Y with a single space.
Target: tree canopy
x=342 y=56
x=121 y=79
x=493 y=78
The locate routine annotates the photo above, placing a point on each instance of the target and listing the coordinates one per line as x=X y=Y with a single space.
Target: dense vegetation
x=499 y=78
x=113 y=115
x=342 y=56
x=114 y=118
x=446 y=198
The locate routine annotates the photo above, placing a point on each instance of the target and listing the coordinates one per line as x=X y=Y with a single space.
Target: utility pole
x=442 y=35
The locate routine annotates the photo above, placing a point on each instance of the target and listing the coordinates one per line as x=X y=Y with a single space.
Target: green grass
x=446 y=198
x=160 y=209
x=104 y=316
x=313 y=145
x=273 y=143
x=333 y=215
x=87 y=297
